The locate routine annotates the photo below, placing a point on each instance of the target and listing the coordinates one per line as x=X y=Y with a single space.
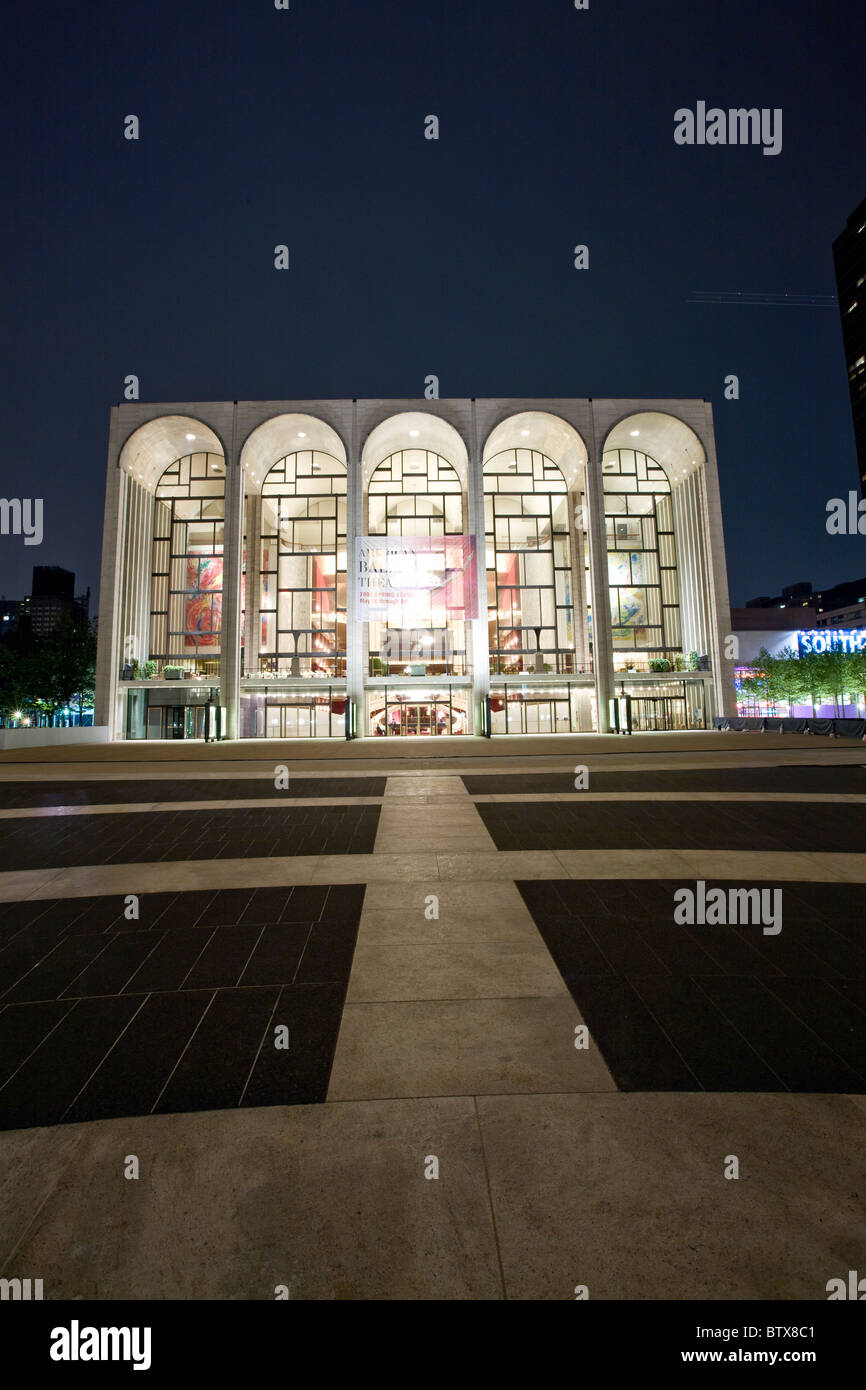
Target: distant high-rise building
x=10 y=609
x=53 y=597
x=843 y=605
x=849 y=256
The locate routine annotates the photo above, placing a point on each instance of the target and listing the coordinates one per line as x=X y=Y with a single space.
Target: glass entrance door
x=402 y=716
x=419 y=719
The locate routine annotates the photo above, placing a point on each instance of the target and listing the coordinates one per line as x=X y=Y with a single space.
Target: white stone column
x=253 y=592
x=109 y=649
x=356 y=644
x=480 y=639
x=719 y=603
x=602 y=640
x=576 y=537
x=230 y=643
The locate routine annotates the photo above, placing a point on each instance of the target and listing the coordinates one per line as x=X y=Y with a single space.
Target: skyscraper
x=849 y=256
x=53 y=597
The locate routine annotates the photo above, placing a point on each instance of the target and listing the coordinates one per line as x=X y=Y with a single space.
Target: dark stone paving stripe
x=186 y=954
x=637 y=1051
x=796 y=1054
x=131 y=1077
x=328 y=953
x=57 y=969
x=716 y=1053
x=795 y=778
x=23 y=1027
x=300 y=1074
x=155 y=836
x=277 y=954
x=762 y=826
x=111 y=969
x=727 y=1006
x=27 y=795
x=224 y=958
x=213 y=1071
x=42 y=1089
x=169 y=962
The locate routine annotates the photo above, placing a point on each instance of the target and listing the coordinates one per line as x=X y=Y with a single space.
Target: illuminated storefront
x=427 y=569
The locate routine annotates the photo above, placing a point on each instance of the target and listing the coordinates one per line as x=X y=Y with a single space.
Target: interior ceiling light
x=634 y=433
x=190 y=436
x=301 y=434
x=524 y=433
x=414 y=433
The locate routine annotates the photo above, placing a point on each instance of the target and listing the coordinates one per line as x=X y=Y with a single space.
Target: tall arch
x=536 y=560
x=415 y=469
x=294 y=581
x=663 y=617
x=652 y=478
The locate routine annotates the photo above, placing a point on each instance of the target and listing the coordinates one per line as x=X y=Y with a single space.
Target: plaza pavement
x=432 y=930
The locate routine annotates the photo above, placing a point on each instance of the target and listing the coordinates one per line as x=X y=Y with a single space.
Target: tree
x=15 y=681
x=857 y=673
x=832 y=674
x=772 y=681
x=66 y=659
x=788 y=678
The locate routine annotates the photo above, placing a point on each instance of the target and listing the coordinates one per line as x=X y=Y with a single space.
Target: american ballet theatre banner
x=407 y=578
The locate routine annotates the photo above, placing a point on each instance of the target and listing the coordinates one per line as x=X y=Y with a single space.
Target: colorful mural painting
x=203 y=604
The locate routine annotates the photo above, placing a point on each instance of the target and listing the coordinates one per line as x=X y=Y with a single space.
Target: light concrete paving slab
x=436 y=839
x=176 y=876
x=234 y=804
x=398 y=926
x=456 y=897
x=626 y=1194
x=778 y=864
x=26 y=883
x=463 y=1047
x=330 y=1200
x=31 y=1167
x=372 y=868
x=456 y=970
x=622 y=863
x=508 y=863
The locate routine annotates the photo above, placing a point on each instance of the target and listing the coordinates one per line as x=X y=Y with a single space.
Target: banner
x=407 y=579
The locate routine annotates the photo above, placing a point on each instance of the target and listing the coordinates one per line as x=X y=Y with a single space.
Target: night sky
x=411 y=256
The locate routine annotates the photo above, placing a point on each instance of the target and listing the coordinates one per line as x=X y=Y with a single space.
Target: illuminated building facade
x=360 y=568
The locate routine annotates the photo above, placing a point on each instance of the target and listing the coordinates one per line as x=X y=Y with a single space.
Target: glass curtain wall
x=530 y=602
x=417 y=492
x=303 y=567
x=641 y=560
x=187 y=566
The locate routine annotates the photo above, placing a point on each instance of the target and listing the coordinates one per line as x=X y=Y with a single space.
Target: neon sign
x=833 y=639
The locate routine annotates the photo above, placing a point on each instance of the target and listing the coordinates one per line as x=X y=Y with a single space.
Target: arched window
x=303 y=566
x=187 y=564
x=530 y=605
x=417 y=492
x=641 y=558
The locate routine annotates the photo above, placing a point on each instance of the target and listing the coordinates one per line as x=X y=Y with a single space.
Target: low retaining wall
x=828 y=728
x=46 y=738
